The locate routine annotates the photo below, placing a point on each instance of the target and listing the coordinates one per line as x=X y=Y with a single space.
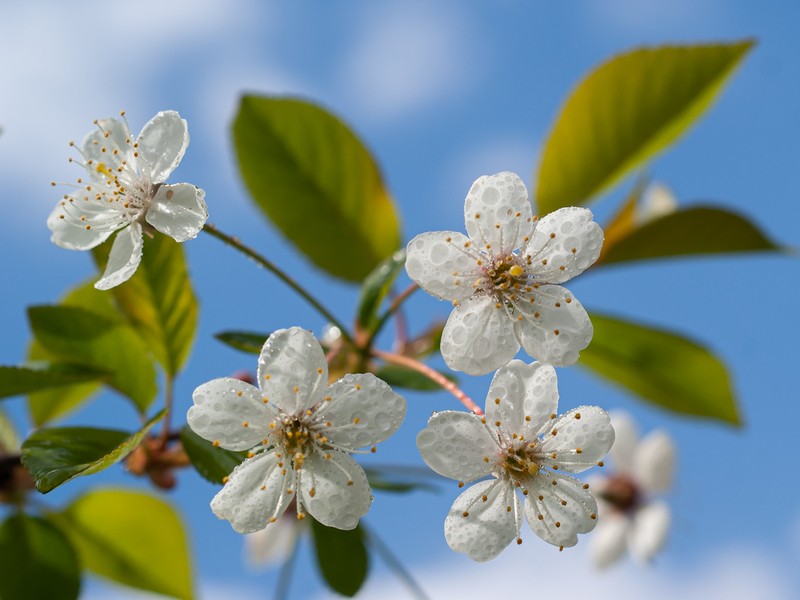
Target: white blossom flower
x=524 y=446
x=657 y=201
x=299 y=432
x=503 y=279
x=124 y=190
x=629 y=516
x=275 y=543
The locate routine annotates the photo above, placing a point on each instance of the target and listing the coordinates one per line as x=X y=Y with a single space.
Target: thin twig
x=285 y=575
x=169 y=393
x=393 y=307
x=432 y=374
x=394 y=563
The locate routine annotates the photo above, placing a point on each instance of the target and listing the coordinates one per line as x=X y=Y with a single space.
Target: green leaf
x=158 y=301
x=375 y=288
x=213 y=463
x=9 y=440
x=426 y=343
x=82 y=337
x=626 y=111
x=318 y=184
x=131 y=538
x=661 y=367
x=24 y=380
x=403 y=377
x=379 y=480
x=55 y=456
x=246 y=341
x=37 y=561
x=692 y=231
x=341 y=557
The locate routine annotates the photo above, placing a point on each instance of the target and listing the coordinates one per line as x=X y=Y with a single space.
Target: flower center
x=504 y=273
x=621 y=492
x=519 y=462
x=296 y=439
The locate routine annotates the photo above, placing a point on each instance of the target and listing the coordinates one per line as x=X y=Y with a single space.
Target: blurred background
x=441 y=92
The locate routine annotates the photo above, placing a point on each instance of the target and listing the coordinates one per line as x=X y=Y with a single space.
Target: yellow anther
x=515 y=271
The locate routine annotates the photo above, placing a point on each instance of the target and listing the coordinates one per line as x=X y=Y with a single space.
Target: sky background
x=441 y=92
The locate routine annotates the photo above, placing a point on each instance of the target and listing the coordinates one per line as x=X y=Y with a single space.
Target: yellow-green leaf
x=317 y=182
x=131 y=538
x=625 y=112
x=661 y=367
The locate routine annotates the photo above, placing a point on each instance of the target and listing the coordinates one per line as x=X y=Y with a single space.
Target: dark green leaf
x=692 y=231
x=246 y=341
x=379 y=480
x=81 y=337
x=213 y=463
x=37 y=561
x=55 y=456
x=625 y=112
x=158 y=301
x=375 y=288
x=399 y=376
x=24 y=380
x=341 y=557
x=661 y=367
x=131 y=538
x=317 y=182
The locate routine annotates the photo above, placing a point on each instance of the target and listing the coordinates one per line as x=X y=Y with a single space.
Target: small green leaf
x=246 y=341
x=378 y=480
x=24 y=380
x=626 y=111
x=9 y=440
x=317 y=183
x=158 y=301
x=82 y=337
x=699 y=230
x=661 y=367
x=341 y=557
x=426 y=343
x=55 y=456
x=131 y=538
x=37 y=561
x=375 y=288
x=403 y=377
x=213 y=463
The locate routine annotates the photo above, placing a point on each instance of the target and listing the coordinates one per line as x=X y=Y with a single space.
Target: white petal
x=609 y=539
x=231 y=412
x=444 y=264
x=124 y=258
x=99 y=145
x=178 y=211
x=626 y=436
x=654 y=462
x=489 y=526
x=579 y=439
x=649 y=530
x=256 y=491
x=478 y=336
x=498 y=213
x=162 y=142
x=362 y=411
x=554 y=327
x=558 y=513
x=273 y=544
x=292 y=371
x=528 y=395
x=334 y=489
x=457 y=445
x=565 y=243
x=79 y=224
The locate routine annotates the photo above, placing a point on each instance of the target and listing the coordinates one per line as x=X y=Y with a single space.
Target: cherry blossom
x=504 y=278
x=299 y=431
x=525 y=447
x=124 y=191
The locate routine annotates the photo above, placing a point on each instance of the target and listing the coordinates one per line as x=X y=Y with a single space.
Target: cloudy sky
x=442 y=92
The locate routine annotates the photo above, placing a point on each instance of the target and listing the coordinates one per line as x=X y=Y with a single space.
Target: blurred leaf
x=55 y=456
x=426 y=343
x=375 y=288
x=341 y=557
x=246 y=341
x=624 y=221
x=661 y=367
x=403 y=377
x=213 y=463
x=37 y=561
x=158 y=301
x=9 y=440
x=131 y=538
x=626 y=111
x=23 y=380
x=81 y=337
x=317 y=183
x=697 y=230
x=379 y=480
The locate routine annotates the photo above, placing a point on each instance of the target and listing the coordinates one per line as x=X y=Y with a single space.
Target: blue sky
x=442 y=92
